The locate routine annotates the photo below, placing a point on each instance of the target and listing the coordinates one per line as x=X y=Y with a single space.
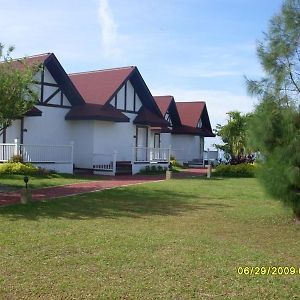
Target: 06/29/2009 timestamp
x=270 y=270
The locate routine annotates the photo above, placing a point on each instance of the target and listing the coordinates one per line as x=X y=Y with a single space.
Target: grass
x=178 y=239
x=39 y=181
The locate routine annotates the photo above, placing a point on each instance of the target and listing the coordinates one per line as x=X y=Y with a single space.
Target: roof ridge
x=31 y=56
x=163 y=96
x=37 y=55
x=102 y=70
x=197 y=101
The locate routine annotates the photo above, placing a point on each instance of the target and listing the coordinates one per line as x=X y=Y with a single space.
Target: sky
x=195 y=50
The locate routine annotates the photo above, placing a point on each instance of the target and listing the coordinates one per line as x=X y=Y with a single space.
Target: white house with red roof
x=104 y=120
x=189 y=124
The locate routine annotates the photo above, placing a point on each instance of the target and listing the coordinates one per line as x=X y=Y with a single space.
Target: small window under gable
x=199 y=125
x=168 y=118
x=127 y=100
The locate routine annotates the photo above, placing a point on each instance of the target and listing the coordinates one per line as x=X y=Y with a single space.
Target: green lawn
x=178 y=239
x=39 y=181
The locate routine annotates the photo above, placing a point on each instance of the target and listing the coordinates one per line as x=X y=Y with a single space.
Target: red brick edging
x=91 y=186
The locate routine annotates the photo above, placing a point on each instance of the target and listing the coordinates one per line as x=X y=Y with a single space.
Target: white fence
x=38 y=153
x=7 y=151
x=105 y=163
x=147 y=154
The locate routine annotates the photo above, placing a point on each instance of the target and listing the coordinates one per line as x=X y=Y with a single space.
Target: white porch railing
x=148 y=154
x=47 y=153
x=37 y=153
x=7 y=151
x=105 y=162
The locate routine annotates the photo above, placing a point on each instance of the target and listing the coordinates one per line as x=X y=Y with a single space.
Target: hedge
x=240 y=170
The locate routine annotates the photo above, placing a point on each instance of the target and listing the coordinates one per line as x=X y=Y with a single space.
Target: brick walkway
x=91 y=186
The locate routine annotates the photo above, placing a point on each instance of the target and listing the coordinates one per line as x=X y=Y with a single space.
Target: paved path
x=91 y=186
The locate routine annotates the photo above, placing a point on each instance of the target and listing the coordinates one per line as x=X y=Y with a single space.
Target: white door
x=142 y=143
x=156 y=140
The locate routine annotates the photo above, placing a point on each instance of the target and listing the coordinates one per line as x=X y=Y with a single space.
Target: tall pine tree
x=275 y=125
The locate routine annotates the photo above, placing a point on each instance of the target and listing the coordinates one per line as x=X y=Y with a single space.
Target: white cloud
x=110 y=37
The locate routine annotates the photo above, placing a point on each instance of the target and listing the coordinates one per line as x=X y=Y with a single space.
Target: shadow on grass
x=116 y=203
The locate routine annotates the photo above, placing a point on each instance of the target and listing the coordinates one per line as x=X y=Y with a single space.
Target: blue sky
x=191 y=49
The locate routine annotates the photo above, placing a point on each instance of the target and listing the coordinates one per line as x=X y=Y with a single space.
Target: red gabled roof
x=147 y=117
x=163 y=102
x=37 y=59
x=190 y=112
x=193 y=131
x=30 y=60
x=98 y=87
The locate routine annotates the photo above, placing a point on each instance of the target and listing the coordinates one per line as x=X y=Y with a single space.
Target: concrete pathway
x=92 y=186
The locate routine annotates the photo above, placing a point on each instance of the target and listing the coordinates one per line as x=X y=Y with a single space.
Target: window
x=199 y=125
x=168 y=118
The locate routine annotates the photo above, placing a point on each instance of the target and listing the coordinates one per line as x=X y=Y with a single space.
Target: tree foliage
x=16 y=97
x=234 y=137
x=275 y=125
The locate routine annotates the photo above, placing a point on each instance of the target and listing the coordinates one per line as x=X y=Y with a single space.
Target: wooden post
x=72 y=151
x=17 y=147
x=25 y=196
x=208 y=171
x=168 y=175
x=115 y=162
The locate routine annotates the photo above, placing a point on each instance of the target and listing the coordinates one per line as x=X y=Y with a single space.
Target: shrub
x=240 y=170
x=16 y=159
x=19 y=168
x=153 y=170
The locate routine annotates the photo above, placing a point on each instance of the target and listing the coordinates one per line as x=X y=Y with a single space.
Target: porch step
x=195 y=163
x=123 y=168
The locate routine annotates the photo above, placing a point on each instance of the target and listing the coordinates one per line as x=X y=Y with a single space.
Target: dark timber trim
x=22 y=131
x=4 y=135
x=129 y=111
x=125 y=96
x=42 y=83
x=47 y=83
x=61 y=98
x=116 y=101
x=134 y=100
x=53 y=105
x=52 y=95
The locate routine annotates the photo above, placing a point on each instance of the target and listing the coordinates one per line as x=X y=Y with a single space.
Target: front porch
x=108 y=164
x=52 y=157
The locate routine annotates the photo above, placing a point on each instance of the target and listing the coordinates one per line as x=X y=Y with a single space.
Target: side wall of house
x=48 y=129
x=186 y=147
x=165 y=140
x=110 y=137
x=83 y=137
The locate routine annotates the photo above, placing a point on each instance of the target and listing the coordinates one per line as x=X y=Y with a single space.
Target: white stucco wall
x=165 y=140
x=110 y=136
x=49 y=129
x=186 y=147
x=13 y=132
x=82 y=135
